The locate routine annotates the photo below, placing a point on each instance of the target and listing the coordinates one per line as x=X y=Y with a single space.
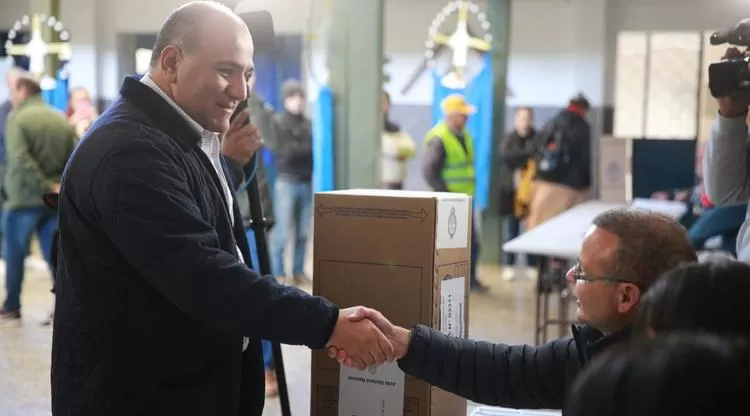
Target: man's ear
x=628 y=298
x=170 y=59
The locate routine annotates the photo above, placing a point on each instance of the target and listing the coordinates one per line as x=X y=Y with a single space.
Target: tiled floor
x=505 y=313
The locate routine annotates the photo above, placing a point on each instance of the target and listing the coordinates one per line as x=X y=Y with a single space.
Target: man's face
x=295 y=103
x=10 y=80
x=523 y=120
x=80 y=100
x=457 y=120
x=17 y=95
x=597 y=300
x=212 y=80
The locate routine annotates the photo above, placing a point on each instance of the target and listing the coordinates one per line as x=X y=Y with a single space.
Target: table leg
x=540 y=321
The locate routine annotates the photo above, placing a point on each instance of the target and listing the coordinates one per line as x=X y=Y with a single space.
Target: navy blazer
x=152 y=299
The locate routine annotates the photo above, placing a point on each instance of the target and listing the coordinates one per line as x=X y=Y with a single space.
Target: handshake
x=363 y=338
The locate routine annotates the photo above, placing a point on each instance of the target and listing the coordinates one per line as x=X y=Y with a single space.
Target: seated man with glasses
x=622 y=254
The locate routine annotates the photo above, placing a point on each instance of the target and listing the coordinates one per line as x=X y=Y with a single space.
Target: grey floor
x=505 y=314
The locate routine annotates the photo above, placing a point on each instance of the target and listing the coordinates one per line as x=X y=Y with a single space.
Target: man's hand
x=735 y=105
x=55 y=188
x=242 y=140
x=399 y=337
x=682 y=196
x=660 y=195
x=365 y=344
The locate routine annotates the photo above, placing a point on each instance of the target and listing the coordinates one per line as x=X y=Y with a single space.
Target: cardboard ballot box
x=407 y=255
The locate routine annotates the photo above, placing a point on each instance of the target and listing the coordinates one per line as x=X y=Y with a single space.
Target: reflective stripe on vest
x=458 y=171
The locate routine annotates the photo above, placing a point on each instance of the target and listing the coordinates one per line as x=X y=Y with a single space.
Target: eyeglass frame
x=579 y=275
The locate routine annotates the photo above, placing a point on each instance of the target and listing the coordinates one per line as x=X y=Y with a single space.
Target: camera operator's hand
x=735 y=105
x=242 y=140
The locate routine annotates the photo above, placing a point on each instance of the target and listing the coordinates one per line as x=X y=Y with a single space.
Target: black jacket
x=515 y=152
x=293 y=146
x=578 y=133
x=514 y=376
x=152 y=300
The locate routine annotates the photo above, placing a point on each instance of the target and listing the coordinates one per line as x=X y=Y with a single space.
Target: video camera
x=731 y=75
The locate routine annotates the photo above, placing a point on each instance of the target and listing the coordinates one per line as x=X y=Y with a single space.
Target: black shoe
x=479 y=288
x=7 y=317
x=47 y=321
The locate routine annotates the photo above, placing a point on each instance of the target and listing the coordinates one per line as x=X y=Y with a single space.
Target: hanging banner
x=323 y=179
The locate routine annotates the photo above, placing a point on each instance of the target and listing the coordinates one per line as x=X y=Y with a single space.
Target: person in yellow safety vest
x=448 y=165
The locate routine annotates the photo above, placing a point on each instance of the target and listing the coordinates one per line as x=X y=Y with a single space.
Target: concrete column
x=498 y=13
x=355 y=62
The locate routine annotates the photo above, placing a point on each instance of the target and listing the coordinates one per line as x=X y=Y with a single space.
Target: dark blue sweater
x=152 y=300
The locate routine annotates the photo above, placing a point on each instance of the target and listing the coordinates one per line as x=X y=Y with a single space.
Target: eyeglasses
x=578 y=274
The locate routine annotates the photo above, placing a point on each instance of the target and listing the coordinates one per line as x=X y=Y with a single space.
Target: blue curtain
x=58 y=96
x=323 y=141
x=479 y=93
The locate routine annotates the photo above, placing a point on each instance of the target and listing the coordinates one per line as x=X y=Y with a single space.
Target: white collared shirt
x=211 y=146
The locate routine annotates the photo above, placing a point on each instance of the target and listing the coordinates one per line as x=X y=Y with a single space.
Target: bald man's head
x=12 y=76
x=186 y=25
x=203 y=59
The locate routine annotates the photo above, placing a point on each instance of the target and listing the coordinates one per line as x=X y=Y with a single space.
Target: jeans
x=511 y=230
x=292 y=207
x=18 y=226
x=724 y=221
x=266 y=345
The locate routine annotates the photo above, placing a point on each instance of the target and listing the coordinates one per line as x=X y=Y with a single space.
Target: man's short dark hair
x=29 y=84
x=525 y=108
x=581 y=101
x=650 y=244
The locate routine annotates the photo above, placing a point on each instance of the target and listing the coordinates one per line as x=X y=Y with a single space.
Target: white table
x=562 y=235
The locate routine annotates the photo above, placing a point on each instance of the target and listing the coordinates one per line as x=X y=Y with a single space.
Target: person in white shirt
x=397 y=148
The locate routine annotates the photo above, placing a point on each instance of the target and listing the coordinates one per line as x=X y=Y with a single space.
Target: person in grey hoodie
x=726 y=163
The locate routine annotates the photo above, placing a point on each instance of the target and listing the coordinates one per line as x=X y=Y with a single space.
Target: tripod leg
x=264 y=267
x=281 y=377
x=540 y=325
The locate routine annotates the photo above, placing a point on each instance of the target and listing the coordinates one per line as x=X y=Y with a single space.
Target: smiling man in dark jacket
x=157 y=311
x=617 y=265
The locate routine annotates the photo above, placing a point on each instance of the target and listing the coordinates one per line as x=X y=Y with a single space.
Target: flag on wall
x=323 y=179
x=57 y=95
x=478 y=93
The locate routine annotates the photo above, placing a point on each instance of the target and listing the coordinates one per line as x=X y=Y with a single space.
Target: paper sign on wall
x=378 y=391
x=452 y=298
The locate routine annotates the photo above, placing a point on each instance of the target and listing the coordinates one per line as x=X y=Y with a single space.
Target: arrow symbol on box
x=320 y=210
x=419 y=215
